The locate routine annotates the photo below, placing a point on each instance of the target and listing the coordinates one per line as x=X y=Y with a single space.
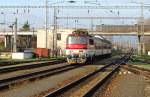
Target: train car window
x=109 y=46
x=58 y=36
x=106 y=46
x=91 y=41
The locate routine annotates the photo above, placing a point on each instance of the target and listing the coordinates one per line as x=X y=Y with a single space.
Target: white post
x=5 y=40
x=15 y=37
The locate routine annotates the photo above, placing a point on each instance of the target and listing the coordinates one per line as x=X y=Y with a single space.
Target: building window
x=58 y=36
x=91 y=42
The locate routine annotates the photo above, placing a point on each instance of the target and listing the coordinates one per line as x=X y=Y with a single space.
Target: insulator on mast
x=17 y=10
x=24 y=11
x=118 y=13
x=88 y=11
x=58 y=11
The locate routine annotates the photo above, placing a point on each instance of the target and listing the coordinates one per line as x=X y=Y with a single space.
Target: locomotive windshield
x=76 y=40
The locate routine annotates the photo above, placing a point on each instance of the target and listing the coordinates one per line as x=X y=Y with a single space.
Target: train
x=84 y=48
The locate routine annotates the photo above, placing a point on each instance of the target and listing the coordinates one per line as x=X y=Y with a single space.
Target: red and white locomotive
x=83 y=48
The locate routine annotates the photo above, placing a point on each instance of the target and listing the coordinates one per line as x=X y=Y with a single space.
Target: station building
x=60 y=37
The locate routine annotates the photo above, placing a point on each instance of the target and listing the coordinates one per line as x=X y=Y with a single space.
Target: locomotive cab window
x=76 y=40
x=91 y=41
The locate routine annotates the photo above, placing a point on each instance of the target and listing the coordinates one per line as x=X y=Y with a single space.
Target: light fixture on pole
x=54 y=49
x=71 y=1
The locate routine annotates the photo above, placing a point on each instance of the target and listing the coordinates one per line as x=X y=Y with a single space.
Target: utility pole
x=92 y=25
x=67 y=22
x=15 y=37
x=55 y=33
x=33 y=38
x=46 y=22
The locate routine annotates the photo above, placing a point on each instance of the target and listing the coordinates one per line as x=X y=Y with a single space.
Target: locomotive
x=83 y=48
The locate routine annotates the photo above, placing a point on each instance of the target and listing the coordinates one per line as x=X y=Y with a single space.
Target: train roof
x=77 y=35
x=98 y=37
x=103 y=39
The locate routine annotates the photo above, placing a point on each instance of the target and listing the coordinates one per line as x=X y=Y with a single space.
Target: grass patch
x=140 y=64
x=137 y=58
x=144 y=66
x=115 y=52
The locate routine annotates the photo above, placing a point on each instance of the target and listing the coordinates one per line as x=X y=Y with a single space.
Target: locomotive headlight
x=80 y=50
x=70 y=52
x=83 y=56
x=69 y=56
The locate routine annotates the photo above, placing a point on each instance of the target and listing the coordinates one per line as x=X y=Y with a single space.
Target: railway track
x=147 y=62
x=6 y=82
x=8 y=63
x=138 y=70
x=55 y=68
x=4 y=63
x=87 y=85
x=6 y=69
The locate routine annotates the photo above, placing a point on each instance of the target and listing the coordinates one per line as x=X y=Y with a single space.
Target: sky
x=36 y=17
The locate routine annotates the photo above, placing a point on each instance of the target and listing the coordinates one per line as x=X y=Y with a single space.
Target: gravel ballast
x=40 y=87
x=127 y=84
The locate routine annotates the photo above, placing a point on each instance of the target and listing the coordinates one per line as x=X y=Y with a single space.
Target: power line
x=98 y=17
x=79 y=7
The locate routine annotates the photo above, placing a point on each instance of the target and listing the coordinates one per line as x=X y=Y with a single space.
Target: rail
x=5 y=83
x=67 y=87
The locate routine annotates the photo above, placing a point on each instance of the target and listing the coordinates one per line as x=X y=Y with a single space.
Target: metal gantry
x=141 y=46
